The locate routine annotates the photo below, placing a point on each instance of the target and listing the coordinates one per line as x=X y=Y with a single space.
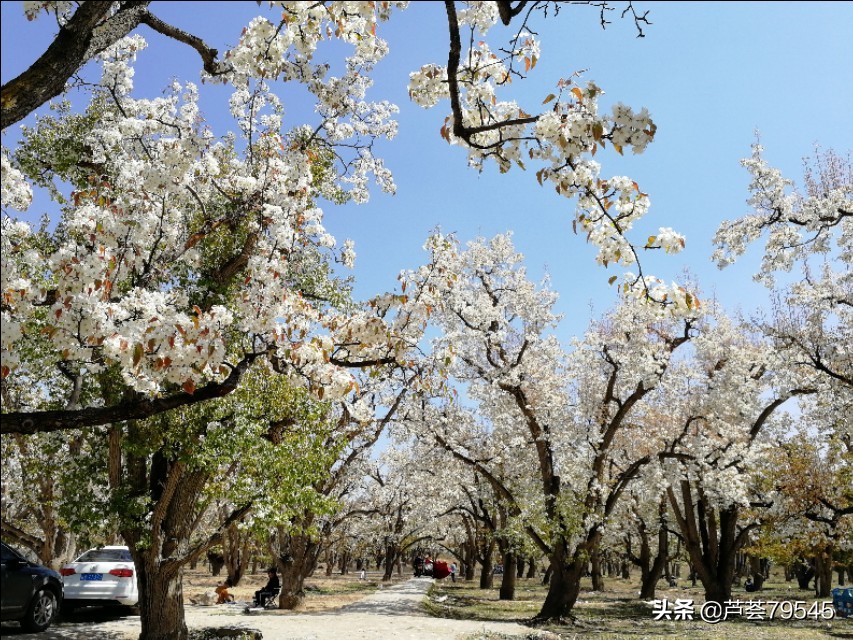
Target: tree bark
x=520 y=564
x=507 y=590
x=595 y=569
x=803 y=574
x=161 y=599
x=711 y=539
x=391 y=551
x=756 y=572
x=823 y=573
x=486 y=572
x=296 y=560
x=563 y=588
x=217 y=561
x=235 y=551
x=651 y=574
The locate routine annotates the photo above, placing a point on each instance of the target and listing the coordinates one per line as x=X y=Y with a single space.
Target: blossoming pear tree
x=721 y=407
x=185 y=255
x=574 y=418
x=808 y=230
x=296 y=539
x=183 y=258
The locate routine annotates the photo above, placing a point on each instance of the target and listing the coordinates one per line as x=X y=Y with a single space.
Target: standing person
x=270 y=590
x=453 y=571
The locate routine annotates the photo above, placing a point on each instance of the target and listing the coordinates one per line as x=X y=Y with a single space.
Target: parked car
x=101 y=576
x=30 y=592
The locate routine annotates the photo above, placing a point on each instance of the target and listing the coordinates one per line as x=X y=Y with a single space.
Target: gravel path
x=392 y=612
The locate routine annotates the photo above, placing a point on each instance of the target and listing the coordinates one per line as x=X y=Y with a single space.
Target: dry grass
x=322 y=592
x=617 y=613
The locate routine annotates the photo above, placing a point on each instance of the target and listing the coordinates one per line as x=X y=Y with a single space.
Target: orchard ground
x=344 y=607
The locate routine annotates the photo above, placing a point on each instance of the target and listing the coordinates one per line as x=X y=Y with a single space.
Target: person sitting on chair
x=272 y=587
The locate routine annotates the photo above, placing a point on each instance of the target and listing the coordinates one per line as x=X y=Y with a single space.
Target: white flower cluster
x=62 y=9
x=797 y=226
x=117 y=73
x=173 y=210
x=678 y=301
x=348 y=254
x=17 y=288
x=284 y=51
x=563 y=138
x=428 y=85
x=15 y=192
x=479 y=15
x=668 y=240
x=630 y=129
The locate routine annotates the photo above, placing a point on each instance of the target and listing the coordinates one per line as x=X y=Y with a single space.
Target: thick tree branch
x=88 y=32
x=49 y=421
x=208 y=55
x=93 y=28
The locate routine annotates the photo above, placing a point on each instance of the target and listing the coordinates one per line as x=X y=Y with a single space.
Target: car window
x=8 y=554
x=106 y=555
x=25 y=554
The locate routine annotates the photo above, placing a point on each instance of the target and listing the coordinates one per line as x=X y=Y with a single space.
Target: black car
x=30 y=592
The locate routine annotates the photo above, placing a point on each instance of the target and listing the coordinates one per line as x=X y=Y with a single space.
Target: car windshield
x=23 y=554
x=106 y=555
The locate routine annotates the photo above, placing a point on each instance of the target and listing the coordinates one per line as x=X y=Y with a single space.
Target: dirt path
x=392 y=612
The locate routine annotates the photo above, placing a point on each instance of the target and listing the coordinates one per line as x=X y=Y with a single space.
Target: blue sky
x=711 y=74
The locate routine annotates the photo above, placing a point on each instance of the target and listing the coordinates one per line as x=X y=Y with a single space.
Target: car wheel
x=41 y=612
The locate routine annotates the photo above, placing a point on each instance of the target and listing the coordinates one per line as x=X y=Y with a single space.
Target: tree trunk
x=711 y=539
x=756 y=571
x=217 y=561
x=161 y=599
x=235 y=552
x=295 y=562
x=823 y=574
x=595 y=570
x=804 y=575
x=531 y=568
x=391 y=552
x=520 y=563
x=507 y=590
x=470 y=569
x=487 y=572
x=841 y=571
x=651 y=574
x=563 y=588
